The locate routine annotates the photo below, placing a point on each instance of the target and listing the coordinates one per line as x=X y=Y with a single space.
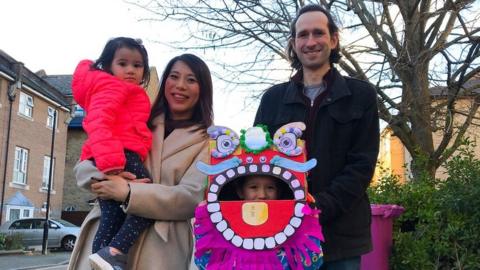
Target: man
x=342 y=133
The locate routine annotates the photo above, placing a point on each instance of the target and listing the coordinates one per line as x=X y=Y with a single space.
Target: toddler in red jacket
x=117 y=109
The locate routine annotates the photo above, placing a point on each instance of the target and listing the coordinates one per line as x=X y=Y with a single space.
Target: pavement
x=53 y=260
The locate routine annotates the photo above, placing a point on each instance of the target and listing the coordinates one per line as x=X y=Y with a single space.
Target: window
x=21 y=225
x=26 y=105
x=44 y=207
x=17 y=212
x=38 y=224
x=20 y=166
x=53 y=225
x=46 y=172
x=79 y=111
x=51 y=115
x=14 y=214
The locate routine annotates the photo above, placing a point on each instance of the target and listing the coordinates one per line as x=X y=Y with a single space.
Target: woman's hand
x=115 y=187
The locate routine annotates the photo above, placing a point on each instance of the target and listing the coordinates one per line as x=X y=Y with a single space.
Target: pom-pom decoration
x=255 y=139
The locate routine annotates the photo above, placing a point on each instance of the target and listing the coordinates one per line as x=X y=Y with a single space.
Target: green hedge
x=440 y=228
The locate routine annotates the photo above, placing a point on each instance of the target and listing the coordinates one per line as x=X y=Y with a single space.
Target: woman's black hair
x=203 y=111
x=332 y=28
x=104 y=62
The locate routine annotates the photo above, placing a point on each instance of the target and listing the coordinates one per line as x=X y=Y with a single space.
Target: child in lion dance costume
x=258 y=213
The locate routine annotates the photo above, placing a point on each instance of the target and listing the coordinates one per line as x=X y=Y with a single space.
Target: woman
x=179 y=118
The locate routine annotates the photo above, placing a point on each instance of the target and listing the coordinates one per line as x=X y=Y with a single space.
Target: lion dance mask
x=262 y=234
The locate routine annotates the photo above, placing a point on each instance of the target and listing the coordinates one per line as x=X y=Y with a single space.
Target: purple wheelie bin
x=381 y=228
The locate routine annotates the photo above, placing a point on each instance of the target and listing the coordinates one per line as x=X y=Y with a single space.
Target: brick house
x=395 y=159
x=74 y=198
x=28 y=107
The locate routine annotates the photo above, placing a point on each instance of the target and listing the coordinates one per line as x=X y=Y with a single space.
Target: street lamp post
x=49 y=187
x=12 y=89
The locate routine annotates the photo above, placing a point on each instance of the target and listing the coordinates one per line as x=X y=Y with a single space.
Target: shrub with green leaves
x=2 y=241
x=14 y=241
x=440 y=228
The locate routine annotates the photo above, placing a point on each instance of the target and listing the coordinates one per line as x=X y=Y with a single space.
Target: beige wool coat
x=170 y=200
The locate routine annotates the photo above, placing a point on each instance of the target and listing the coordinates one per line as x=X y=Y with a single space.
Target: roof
x=61 y=82
x=32 y=80
x=19 y=199
x=470 y=88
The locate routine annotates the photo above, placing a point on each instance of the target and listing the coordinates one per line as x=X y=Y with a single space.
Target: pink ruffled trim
x=224 y=255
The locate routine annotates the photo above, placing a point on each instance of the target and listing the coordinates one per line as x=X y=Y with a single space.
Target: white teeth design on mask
x=247 y=243
x=220 y=179
x=230 y=173
x=295 y=183
x=213 y=188
x=280 y=238
x=270 y=242
x=259 y=243
x=213 y=207
x=299 y=194
x=216 y=217
x=222 y=226
x=289 y=230
x=211 y=197
x=241 y=170
x=287 y=175
x=237 y=241
x=228 y=234
x=265 y=168
x=295 y=222
x=298 y=209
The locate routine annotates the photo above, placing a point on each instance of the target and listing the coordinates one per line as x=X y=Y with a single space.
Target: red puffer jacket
x=116 y=116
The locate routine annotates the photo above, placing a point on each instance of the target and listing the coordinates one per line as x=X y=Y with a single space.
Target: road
x=54 y=260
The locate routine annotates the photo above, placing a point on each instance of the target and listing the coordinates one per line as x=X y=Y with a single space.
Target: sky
x=54 y=35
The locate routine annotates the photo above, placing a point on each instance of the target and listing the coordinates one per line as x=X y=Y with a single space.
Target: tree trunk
x=420 y=118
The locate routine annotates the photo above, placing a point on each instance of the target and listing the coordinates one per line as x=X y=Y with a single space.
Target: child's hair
x=104 y=62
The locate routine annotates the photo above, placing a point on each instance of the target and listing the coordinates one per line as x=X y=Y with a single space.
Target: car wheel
x=68 y=243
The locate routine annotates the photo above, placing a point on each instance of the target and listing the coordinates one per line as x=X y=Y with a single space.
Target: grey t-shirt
x=313 y=91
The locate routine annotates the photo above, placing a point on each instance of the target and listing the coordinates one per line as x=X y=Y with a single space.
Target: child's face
x=127 y=65
x=259 y=187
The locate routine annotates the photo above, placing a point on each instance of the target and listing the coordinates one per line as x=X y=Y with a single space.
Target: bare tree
x=405 y=48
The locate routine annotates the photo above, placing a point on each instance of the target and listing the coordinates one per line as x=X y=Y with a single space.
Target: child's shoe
x=104 y=260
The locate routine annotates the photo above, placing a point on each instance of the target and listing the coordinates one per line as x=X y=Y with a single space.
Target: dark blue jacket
x=343 y=135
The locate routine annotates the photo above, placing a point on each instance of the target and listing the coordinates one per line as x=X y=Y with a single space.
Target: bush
x=10 y=242
x=440 y=228
x=2 y=241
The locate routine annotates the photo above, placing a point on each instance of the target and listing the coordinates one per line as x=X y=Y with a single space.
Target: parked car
x=61 y=233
